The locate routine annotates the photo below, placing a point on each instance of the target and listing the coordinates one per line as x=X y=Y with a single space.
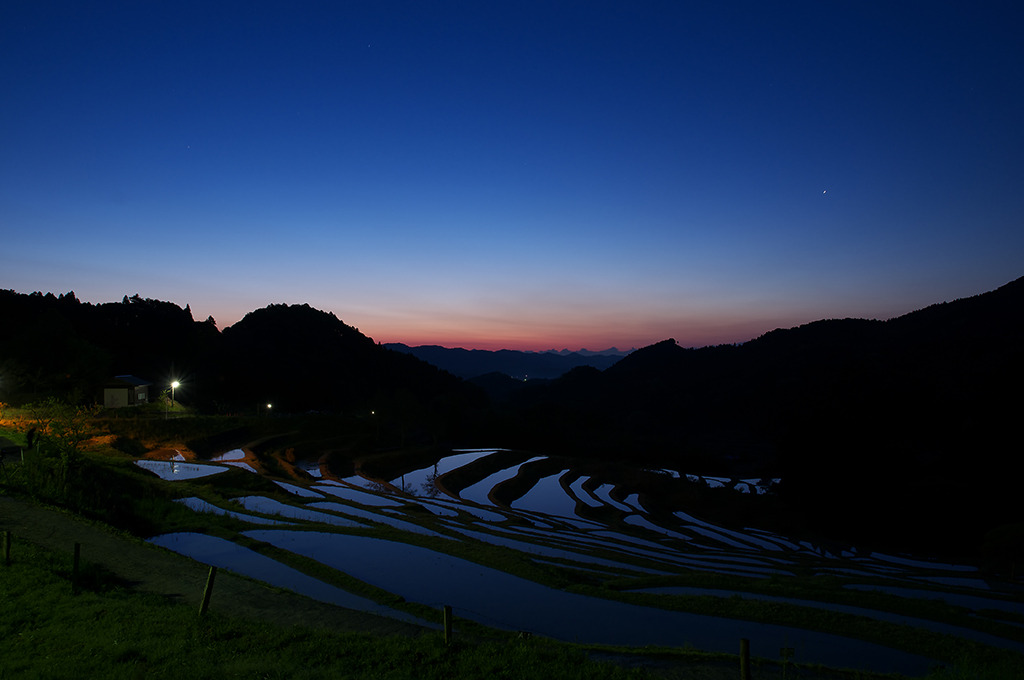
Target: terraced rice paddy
x=400 y=531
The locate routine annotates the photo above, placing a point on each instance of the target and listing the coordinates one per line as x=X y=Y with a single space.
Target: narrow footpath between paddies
x=147 y=568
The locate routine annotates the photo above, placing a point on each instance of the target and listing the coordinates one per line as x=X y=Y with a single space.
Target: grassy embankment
x=145 y=505
x=108 y=631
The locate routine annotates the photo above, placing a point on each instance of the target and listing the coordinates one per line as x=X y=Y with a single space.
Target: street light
x=174 y=384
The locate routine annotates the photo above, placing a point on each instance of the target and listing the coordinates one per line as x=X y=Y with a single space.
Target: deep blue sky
x=525 y=175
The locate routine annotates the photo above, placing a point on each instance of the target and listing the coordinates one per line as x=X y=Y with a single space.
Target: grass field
x=111 y=629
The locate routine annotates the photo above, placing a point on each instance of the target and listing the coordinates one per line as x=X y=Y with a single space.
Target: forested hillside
x=297 y=357
x=902 y=427
x=907 y=426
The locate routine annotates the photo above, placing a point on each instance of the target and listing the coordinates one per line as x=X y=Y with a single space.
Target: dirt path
x=151 y=569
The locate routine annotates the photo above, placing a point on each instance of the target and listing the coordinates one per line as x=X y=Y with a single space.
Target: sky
x=526 y=175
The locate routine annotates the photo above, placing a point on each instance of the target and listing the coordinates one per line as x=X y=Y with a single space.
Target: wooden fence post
x=447 y=624
x=744 y=659
x=74 y=569
x=208 y=591
x=786 y=653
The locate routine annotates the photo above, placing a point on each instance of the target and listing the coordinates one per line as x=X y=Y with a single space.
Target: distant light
x=270 y=406
x=175 y=384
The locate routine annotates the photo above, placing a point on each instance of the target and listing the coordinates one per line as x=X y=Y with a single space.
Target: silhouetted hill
x=470 y=363
x=877 y=427
x=944 y=358
x=273 y=350
x=900 y=432
x=59 y=346
x=306 y=359
x=295 y=357
x=500 y=387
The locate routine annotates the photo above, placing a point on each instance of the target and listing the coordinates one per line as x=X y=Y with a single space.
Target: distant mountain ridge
x=903 y=430
x=590 y=353
x=960 y=354
x=472 y=363
x=294 y=357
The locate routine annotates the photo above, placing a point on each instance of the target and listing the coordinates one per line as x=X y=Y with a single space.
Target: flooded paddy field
x=528 y=543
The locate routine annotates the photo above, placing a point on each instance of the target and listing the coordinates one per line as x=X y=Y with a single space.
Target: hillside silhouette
x=880 y=429
x=901 y=432
x=59 y=346
x=954 y=362
x=293 y=356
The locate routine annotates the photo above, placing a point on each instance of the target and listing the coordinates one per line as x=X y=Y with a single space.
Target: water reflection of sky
x=439 y=510
x=479 y=513
x=959 y=599
x=547 y=551
x=582 y=494
x=913 y=622
x=604 y=493
x=172 y=470
x=356 y=495
x=548 y=496
x=375 y=517
x=199 y=505
x=504 y=601
x=925 y=564
x=361 y=482
x=269 y=506
x=297 y=490
x=420 y=482
x=223 y=554
x=542 y=525
x=477 y=493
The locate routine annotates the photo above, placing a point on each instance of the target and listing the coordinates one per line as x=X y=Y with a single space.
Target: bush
x=130 y=446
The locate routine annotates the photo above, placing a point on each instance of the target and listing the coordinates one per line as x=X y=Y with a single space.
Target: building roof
x=127 y=380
